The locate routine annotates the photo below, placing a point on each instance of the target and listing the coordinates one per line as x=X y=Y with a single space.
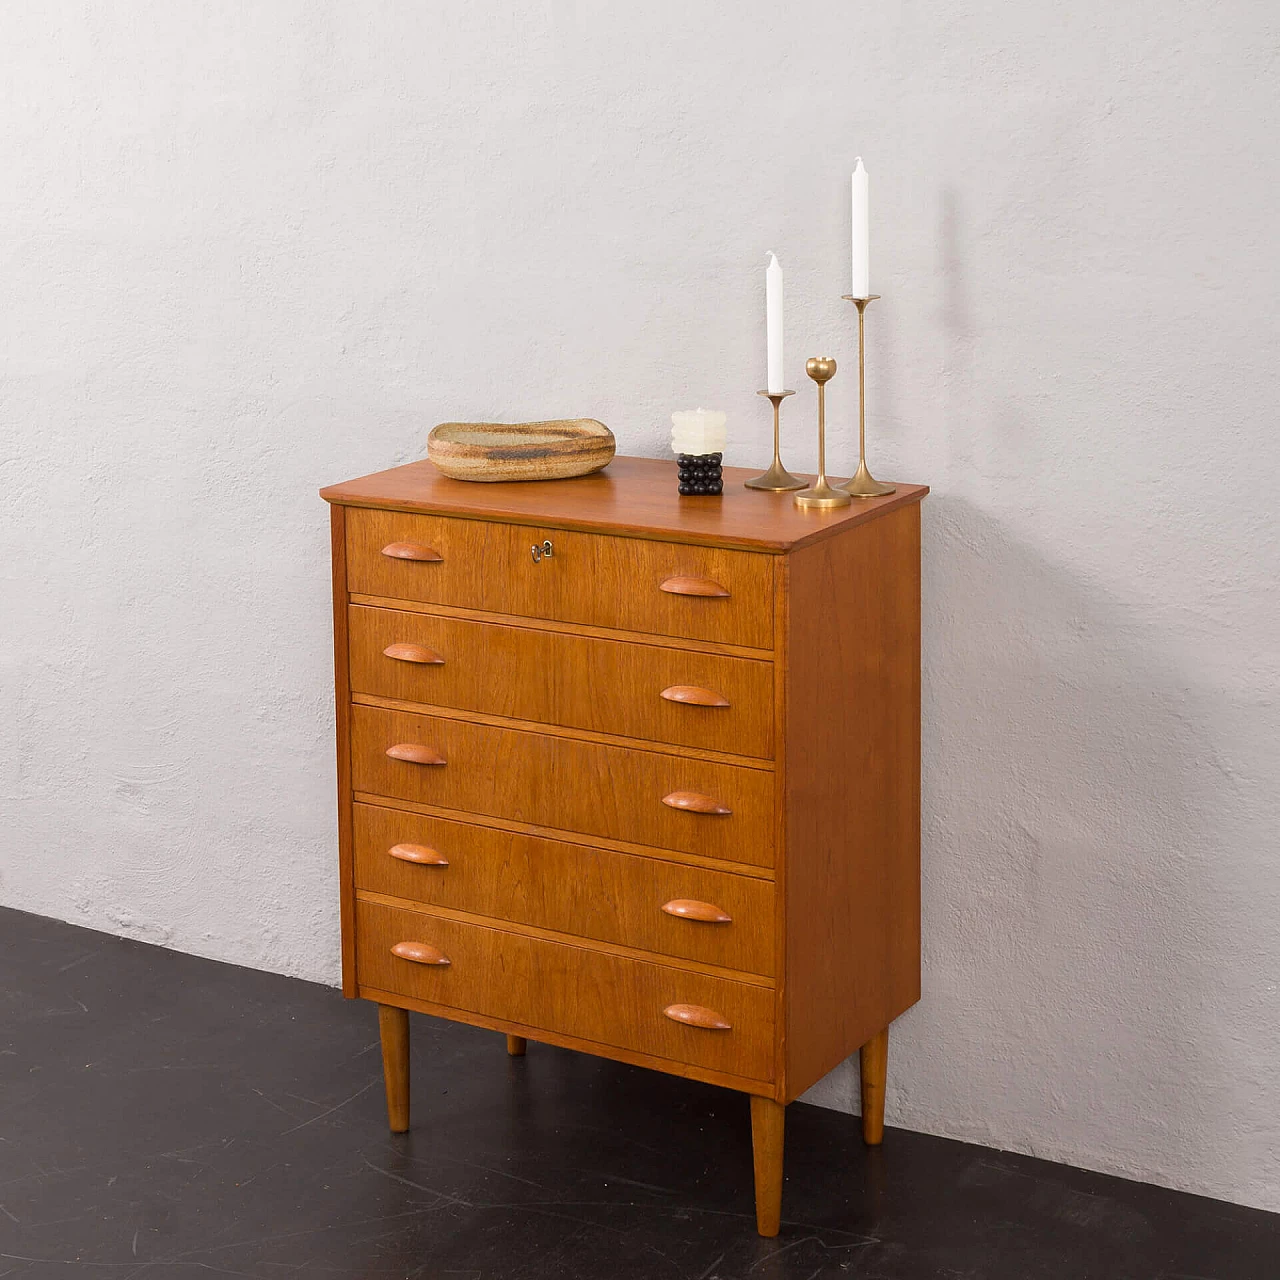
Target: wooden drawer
x=570 y=888
x=615 y=792
x=574 y=991
x=593 y=579
x=609 y=686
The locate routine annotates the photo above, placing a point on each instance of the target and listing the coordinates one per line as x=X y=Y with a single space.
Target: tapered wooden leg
x=393 y=1025
x=516 y=1046
x=766 y=1146
x=874 y=1059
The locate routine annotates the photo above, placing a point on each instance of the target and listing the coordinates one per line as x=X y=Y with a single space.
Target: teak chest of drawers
x=633 y=774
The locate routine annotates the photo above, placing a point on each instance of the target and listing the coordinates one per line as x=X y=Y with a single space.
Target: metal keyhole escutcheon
x=541 y=552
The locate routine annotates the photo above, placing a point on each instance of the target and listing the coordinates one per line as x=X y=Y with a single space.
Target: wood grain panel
x=569 y=990
x=852 y=881
x=591 y=578
x=606 y=686
x=569 y=888
x=632 y=495
x=566 y=784
x=342 y=706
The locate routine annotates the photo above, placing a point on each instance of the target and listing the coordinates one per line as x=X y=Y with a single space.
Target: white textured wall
x=249 y=249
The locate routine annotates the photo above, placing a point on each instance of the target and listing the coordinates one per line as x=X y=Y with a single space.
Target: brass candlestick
x=777 y=479
x=820 y=495
x=862 y=485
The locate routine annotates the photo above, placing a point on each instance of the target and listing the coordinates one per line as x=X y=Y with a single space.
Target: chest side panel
x=852 y=804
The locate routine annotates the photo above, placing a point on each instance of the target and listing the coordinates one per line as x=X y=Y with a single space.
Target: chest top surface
x=635 y=497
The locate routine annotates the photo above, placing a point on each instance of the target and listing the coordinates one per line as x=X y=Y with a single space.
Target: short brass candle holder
x=777 y=479
x=862 y=485
x=820 y=495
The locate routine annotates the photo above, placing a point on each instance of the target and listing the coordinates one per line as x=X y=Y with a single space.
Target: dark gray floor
x=163 y=1116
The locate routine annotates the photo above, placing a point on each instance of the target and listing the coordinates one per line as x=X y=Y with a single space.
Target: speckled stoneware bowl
x=491 y=451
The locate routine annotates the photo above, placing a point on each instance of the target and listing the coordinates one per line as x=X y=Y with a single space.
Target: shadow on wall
x=1085 y=916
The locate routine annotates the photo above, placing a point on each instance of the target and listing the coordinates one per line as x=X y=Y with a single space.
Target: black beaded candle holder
x=700 y=473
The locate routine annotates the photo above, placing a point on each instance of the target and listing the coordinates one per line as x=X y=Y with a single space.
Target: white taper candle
x=773 y=322
x=861 y=238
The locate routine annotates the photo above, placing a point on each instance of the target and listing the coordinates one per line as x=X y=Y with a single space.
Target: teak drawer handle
x=682 y=586
x=692 y=909
x=694 y=1015
x=413 y=653
x=415 y=753
x=421 y=854
x=420 y=953
x=410 y=551
x=694 y=696
x=692 y=801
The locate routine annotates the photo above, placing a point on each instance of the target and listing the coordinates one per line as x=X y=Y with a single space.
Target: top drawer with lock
x=664 y=588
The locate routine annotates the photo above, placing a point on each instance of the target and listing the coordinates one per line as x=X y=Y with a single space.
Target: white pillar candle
x=698 y=431
x=861 y=287
x=773 y=321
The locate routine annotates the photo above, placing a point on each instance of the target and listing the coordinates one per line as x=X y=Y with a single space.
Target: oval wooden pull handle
x=693 y=801
x=694 y=1015
x=410 y=551
x=692 y=909
x=693 y=696
x=413 y=653
x=415 y=753
x=420 y=953
x=684 y=586
x=424 y=856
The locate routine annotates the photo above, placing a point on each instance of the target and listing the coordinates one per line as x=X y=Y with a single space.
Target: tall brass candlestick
x=777 y=479
x=820 y=495
x=862 y=485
